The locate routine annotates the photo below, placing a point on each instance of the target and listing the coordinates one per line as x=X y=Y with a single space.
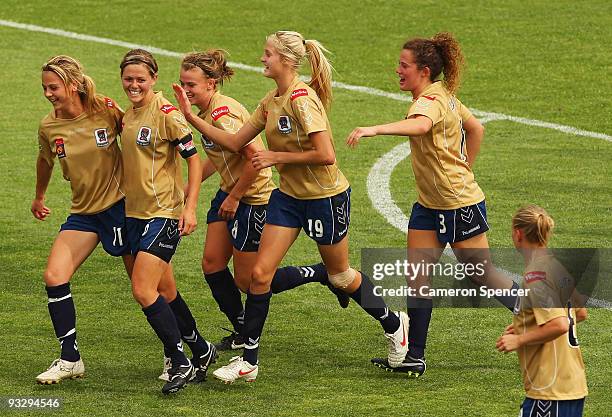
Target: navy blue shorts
x=551 y=408
x=109 y=225
x=325 y=220
x=157 y=236
x=245 y=228
x=450 y=225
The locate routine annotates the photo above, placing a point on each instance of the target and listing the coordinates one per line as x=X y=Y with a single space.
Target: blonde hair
x=535 y=222
x=142 y=57
x=213 y=64
x=71 y=72
x=294 y=48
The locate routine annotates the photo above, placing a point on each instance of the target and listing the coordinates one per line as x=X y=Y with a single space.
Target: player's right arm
x=230 y=141
x=417 y=125
x=552 y=329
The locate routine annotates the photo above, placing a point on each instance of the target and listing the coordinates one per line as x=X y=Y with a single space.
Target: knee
x=211 y=265
x=143 y=295
x=261 y=275
x=53 y=278
x=343 y=280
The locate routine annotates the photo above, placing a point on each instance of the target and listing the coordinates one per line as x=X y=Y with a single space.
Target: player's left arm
x=544 y=333
x=417 y=125
x=322 y=153
x=474 y=133
x=188 y=220
x=581 y=314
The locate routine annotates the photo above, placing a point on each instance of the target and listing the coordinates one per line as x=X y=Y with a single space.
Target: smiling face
x=273 y=63
x=60 y=96
x=198 y=86
x=411 y=78
x=138 y=84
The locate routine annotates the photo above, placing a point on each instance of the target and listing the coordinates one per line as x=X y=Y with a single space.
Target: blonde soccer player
x=313 y=196
x=543 y=329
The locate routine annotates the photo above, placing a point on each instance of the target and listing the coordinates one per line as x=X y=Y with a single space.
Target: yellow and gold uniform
x=89 y=155
x=553 y=370
x=153 y=136
x=227 y=114
x=444 y=180
x=288 y=120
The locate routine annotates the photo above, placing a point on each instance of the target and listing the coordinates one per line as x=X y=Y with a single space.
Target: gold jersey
x=152 y=164
x=227 y=114
x=444 y=180
x=89 y=155
x=552 y=370
x=288 y=120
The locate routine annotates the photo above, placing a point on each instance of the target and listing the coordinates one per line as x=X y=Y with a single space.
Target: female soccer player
x=154 y=135
x=313 y=194
x=543 y=330
x=81 y=131
x=237 y=213
x=444 y=141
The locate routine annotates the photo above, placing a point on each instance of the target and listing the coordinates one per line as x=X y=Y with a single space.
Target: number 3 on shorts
x=442 y=224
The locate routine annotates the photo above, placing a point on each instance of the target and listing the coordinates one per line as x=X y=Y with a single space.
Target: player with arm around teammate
x=314 y=195
x=543 y=329
x=81 y=132
x=444 y=141
x=155 y=136
x=237 y=213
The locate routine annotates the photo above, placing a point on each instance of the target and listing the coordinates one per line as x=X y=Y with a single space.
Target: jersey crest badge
x=301 y=92
x=207 y=143
x=284 y=125
x=101 y=137
x=219 y=112
x=167 y=108
x=144 y=136
x=60 y=149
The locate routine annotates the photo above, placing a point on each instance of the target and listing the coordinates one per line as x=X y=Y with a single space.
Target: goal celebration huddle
x=128 y=193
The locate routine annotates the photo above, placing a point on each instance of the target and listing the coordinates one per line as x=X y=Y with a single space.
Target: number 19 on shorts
x=318 y=228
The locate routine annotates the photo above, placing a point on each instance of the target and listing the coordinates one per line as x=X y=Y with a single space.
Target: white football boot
x=398 y=342
x=60 y=370
x=236 y=369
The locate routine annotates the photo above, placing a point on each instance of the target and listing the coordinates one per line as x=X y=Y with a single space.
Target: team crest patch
x=535 y=276
x=167 y=108
x=301 y=92
x=207 y=143
x=101 y=138
x=60 y=149
x=219 y=112
x=284 y=125
x=144 y=136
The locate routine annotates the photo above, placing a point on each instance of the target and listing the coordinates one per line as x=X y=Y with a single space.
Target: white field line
x=378 y=185
x=488 y=116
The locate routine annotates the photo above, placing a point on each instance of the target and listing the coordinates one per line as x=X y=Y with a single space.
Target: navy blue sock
x=419 y=312
x=162 y=320
x=508 y=301
x=187 y=326
x=291 y=276
x=63 y=317
x=256 y=311
x=374 y=305
x=227 y=296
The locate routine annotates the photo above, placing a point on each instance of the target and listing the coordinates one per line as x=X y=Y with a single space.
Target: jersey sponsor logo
x=219 y=112
x=300 y=92
x=207 y=143
x=535 y=276
x=109 y=103
x=167 y=108
x=284 y=125
x=101 y=137
x=423 y=102
x=431 y=98
x=144 y=136
x=60 y=148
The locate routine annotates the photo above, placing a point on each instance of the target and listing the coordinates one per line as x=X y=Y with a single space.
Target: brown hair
x=212 y=62
x=140 y=56
x=71 y=72
x=442 y=55
x=294 y=48
x=535 y=222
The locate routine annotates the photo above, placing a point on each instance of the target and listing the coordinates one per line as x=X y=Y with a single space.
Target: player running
x=314 y=195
